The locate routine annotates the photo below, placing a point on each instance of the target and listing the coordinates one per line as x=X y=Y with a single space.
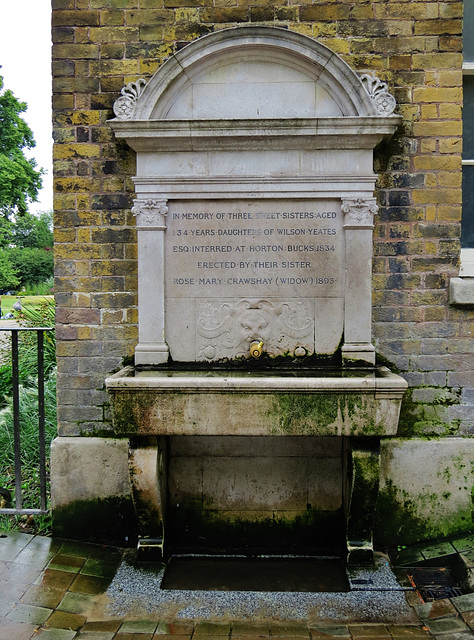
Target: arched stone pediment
x=254 y=72
x=248 y=73
x=269 y=83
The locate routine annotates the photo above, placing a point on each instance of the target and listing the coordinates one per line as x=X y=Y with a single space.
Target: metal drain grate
x=434 y=583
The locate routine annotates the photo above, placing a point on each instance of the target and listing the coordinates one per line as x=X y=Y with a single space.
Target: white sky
x=25 y=59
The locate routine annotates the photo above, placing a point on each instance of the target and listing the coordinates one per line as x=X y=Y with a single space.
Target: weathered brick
x=76 y=150
x=450 y=43
x=115 y=4
x=78 y=316
x=63 y=136
x=148 y=17
x=324 y=12
x=113 y=300
x=261 y=14
x=433 y=94
x=432 y=162
x=76 y=18
x=286 y=13
x=119 y=67
x=438 y=27
x=113 y=34
x=391 y=10
x=114 y=17
x=62 y=4
x=437 y=61
x=363 y=28
x=79 y=414
x=439 y=196
x=225 y=14
x=75 y=85
x=71 y=52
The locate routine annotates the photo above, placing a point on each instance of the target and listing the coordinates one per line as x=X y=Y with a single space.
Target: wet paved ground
x=59 y=590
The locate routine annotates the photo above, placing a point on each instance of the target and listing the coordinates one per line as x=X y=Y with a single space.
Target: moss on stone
x=398 y=518
x=419 y=419
x=302 y=414
x=110 y=521
x=190 y=526
x=312 y=414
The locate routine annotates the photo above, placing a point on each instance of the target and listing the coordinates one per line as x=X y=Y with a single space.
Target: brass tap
x=256 y=349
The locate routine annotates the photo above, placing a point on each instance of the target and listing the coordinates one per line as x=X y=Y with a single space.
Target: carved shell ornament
x=384 y=101
x=124 y=107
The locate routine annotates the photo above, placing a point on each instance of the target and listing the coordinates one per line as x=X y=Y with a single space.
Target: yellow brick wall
x=416 y=47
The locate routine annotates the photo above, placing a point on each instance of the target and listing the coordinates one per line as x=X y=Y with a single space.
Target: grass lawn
x=30 y=301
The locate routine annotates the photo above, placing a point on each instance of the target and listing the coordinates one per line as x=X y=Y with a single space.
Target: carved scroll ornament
x=384 y=101
x=124 y=107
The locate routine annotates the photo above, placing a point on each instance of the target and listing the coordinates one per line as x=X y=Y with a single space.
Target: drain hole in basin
x=255 y=574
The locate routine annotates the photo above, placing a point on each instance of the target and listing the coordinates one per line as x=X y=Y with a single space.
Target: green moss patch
x=193 y=528
x=109 y=521
x=398 y=520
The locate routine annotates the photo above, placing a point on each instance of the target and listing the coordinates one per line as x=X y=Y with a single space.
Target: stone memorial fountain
x=255 y=365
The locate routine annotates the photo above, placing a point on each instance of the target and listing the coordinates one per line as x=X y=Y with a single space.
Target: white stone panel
x=243 y=484
x=88 y=469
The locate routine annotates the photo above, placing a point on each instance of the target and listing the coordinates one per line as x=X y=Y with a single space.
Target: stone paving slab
x=57 y=590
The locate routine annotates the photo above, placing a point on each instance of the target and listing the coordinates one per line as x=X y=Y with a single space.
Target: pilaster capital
x=150 y=213
x=359 y=213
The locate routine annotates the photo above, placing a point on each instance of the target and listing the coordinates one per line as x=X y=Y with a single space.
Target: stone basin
x=321 y=402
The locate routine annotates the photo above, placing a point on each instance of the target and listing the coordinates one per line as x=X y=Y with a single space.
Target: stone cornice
x=345 y=132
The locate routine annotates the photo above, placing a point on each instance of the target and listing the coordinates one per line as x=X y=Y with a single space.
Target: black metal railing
x=18 y=498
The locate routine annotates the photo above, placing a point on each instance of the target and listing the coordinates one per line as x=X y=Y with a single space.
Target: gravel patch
x=375 y=596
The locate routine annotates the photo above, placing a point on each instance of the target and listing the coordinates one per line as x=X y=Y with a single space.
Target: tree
x=31 y=231
x=32 y=266
x=20 y=181
x=8 y=273
x=26 y=244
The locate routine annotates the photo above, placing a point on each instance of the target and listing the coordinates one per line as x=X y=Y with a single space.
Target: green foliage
x=40 y=288
x=8 y=272
x=32 y=232
x=32 y=265
x=29 y=427
x=20 y=181
x=26 y=257
x=6 y=382
x=41 y=315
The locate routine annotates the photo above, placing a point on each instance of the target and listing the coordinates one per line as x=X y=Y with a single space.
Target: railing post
x=41 y=435
x=18 y=508
x=16 y=419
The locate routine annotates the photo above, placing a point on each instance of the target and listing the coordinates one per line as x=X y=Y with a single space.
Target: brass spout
x=256 y=349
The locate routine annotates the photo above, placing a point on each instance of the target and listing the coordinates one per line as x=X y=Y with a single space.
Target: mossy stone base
x=107 y=521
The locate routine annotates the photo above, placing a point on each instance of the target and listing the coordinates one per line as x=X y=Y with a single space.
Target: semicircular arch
x=253 y=72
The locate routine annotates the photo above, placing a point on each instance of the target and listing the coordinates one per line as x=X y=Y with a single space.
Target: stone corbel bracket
x=383 y=100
